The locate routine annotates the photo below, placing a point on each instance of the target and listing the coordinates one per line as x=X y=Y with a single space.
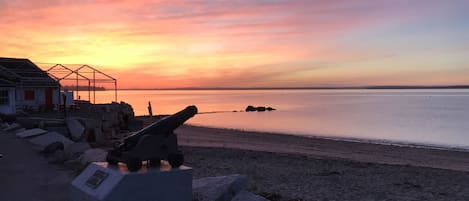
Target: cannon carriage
x=153 y=143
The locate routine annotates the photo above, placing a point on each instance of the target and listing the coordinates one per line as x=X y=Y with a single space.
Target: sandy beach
x=284 y=167
x=279 y=167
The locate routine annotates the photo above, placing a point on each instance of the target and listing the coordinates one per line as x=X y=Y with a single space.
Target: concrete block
x=31 y=133
x=222 y=188
x=247 y=196
x=49 y=138
x=100 y=182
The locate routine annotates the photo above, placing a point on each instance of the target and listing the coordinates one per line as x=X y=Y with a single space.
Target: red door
x=49 y=104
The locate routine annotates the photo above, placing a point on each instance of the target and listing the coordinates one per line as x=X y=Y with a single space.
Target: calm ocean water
x=412 y=117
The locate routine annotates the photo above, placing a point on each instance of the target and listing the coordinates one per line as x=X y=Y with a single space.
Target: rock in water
x=222 y=188
x=260 y=109
x=250 y=108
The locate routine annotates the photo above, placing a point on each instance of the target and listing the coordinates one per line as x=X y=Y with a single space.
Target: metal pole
x=89 y=91
x=94 y=87
x=115 y=89
x=77 y=85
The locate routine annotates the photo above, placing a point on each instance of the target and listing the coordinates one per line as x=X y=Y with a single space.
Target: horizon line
x=318 y=87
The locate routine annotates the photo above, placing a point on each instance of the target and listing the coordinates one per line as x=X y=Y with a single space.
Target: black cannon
x=153 y=143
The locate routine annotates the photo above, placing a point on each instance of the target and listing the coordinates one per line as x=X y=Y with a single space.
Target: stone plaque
x=96 y=179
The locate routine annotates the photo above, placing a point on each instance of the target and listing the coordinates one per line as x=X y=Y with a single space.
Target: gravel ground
x=294 y=177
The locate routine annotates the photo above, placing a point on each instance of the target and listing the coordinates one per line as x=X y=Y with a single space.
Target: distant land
x=82 y=88
x=299 y=88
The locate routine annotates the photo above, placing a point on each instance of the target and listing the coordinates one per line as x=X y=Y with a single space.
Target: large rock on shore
x=222 y=188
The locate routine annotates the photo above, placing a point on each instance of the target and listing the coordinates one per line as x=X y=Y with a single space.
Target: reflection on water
x=435 y=117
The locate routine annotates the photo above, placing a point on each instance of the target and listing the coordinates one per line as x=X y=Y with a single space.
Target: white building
x=7 y=97
x=24 y=86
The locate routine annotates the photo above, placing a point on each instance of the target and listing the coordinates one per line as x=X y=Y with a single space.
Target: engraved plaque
x=96 y=179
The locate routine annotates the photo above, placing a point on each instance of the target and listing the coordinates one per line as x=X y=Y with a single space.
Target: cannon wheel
x=155 y=162
x=133 y=164
x=176 y=159
x=112 y=158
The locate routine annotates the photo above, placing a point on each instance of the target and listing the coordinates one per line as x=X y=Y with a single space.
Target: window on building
x=4 y=97
x=29 y=95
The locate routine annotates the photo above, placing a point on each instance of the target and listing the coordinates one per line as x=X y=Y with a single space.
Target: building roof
x=6 y=83
x=24 y=73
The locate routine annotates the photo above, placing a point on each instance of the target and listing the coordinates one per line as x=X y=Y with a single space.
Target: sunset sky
x=251 y=43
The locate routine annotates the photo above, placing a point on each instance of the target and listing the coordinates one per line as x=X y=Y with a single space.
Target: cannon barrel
x=165 y=126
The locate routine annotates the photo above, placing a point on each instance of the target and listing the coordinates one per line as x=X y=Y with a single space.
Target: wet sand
x=323 y=148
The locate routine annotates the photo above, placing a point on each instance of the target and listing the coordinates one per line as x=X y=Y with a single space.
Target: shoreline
x=323 y=148
x=357 y=140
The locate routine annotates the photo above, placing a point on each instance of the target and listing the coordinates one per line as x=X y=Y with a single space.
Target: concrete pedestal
x=100 y=182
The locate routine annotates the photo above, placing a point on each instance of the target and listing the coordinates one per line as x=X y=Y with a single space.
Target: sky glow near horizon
x=160 y=44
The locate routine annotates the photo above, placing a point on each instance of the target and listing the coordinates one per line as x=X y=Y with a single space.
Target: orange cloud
x=158 y=44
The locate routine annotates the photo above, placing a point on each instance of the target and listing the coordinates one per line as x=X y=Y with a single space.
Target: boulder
x=30 y=133
x=12 y=127
x=59 y=129
x=53 y=147
x=250 y=108
x=222 y=188
x=93 y=155
x=49 y=138
x=261 y=109
x=58 y=157
x=75 y=128
x=19 y=130
x=4 y=125
x=76 y=149
x=247 y=196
